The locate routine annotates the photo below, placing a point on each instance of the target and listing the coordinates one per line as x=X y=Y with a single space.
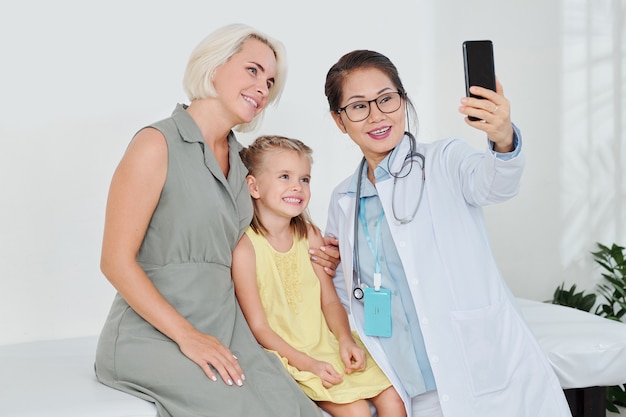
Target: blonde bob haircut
x=217 y=48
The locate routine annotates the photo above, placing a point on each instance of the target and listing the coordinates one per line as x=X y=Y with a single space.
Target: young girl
x=290 y=304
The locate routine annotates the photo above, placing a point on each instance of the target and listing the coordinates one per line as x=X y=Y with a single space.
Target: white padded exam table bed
x=55 y=378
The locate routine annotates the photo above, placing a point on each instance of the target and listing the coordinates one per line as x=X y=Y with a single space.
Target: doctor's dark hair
x=253 y=158
x=361 y=59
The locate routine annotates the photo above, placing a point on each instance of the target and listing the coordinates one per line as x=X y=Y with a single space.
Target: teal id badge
x=377 y=310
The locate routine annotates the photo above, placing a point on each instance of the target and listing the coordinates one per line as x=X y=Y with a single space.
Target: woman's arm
x=244 y=278
x=133 y=196
x=492 y=176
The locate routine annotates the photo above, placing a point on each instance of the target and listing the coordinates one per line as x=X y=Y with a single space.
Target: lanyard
x=373 y=248
x=412 y=156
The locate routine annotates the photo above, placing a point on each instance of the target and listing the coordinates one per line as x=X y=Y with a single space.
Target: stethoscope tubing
x=358 y=286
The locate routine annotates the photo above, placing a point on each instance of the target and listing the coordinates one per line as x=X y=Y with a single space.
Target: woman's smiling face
x=380 y=132
x=243 y=82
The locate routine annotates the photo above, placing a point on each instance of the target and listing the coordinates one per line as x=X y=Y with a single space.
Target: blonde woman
x=178 y=204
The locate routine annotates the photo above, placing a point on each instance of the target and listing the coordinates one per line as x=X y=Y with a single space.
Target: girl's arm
x=133 y=196
x=244 y=278
x=334 y=313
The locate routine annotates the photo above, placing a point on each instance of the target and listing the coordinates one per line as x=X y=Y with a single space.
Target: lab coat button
x=425 y=321
x=402 y=244
x=445 y=397
x=434 y=359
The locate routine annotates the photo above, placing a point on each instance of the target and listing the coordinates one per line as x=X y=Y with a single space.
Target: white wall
x=79 y=78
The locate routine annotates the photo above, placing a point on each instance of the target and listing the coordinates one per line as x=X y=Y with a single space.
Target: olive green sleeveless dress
x=187 y=253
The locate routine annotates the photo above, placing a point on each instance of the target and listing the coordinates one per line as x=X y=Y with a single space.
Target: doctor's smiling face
x=372 y=113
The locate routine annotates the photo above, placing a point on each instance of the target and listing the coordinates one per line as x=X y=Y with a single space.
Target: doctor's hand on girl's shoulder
x=327 y=255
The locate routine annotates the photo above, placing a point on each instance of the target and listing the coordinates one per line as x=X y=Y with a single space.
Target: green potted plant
x=612 y=306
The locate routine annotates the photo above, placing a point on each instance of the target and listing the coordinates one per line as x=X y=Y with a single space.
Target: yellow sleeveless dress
x=290 y=294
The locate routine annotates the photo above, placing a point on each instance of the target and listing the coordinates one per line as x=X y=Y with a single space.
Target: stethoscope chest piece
x=358 y=293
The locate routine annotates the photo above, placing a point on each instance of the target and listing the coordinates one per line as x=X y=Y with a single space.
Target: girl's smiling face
x=282 y=186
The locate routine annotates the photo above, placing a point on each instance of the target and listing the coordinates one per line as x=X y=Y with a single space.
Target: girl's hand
x=327 y=256
x=326 y=373
x=210 y=354
x=493 y=110
x=353 y=357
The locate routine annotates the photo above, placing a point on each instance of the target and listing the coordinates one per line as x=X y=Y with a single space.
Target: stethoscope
x=410 y=157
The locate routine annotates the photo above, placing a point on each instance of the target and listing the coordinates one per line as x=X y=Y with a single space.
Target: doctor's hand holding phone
x=485 y=106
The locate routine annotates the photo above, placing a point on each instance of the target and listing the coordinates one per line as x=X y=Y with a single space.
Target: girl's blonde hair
x=253 y=158
x=217 y=48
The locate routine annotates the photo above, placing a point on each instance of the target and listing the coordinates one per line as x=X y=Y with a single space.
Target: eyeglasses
x=360 y=110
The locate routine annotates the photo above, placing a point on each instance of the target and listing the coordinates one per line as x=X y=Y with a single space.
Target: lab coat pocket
x=488 y=340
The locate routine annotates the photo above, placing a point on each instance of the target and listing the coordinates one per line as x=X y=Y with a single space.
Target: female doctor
x=417 y=273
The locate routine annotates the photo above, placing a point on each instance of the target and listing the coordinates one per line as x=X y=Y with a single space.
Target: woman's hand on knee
x=212 y=356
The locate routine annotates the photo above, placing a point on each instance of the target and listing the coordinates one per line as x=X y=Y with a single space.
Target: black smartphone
x=479 y=66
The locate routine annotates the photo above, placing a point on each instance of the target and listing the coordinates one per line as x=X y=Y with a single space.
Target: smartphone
x=479 y=66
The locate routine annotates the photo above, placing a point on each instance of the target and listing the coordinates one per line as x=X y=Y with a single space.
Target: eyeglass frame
x=369 y=106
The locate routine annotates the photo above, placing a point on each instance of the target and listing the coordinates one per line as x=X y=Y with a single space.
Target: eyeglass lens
x=386 y=103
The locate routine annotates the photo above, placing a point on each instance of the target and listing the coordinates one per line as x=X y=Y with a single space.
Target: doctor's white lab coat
x=485 y=360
